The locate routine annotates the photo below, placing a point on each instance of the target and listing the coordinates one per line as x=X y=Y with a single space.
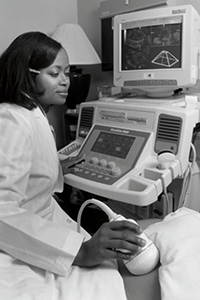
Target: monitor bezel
x=185 y=77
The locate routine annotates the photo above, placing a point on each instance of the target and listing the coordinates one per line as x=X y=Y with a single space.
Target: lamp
x=80 y=52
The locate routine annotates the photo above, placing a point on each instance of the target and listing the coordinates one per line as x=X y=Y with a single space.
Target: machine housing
x=122 y=140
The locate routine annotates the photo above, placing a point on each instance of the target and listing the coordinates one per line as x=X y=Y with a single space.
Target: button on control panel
x=101 y=166
x=99 y=169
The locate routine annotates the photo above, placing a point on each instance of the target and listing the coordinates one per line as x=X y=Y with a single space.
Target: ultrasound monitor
x=157 y=50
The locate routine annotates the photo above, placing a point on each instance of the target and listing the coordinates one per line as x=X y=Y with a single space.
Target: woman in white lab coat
x=37 y=239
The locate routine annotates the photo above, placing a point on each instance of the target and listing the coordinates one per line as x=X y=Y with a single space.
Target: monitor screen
x=113 y=144
x=152 y=46
x=157 y=50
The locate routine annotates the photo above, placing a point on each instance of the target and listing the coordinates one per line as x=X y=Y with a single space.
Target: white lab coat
x=29 y=175
x=38 y=241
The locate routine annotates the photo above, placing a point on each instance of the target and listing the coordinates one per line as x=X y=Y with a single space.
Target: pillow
x=178 y=240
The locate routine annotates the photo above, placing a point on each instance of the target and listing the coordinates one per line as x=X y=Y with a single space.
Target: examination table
x=177 y=277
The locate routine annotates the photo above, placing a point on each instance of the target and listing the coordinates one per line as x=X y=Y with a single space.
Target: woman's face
x=54 y=81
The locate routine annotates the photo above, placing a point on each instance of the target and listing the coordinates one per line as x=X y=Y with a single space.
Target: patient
x=37 y=237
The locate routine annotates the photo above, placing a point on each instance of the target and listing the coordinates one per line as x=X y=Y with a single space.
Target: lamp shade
x=81 y=52
x=77 y=45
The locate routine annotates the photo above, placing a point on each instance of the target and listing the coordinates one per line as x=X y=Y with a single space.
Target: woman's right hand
x=104 y=243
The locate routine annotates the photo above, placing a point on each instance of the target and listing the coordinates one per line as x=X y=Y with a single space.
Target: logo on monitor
x=178 y=11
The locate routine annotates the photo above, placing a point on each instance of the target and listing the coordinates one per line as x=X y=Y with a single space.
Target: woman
x=33 y=228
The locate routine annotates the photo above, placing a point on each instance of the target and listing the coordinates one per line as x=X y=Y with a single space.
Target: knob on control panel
x=111 y=164
x=94 y=160
x=115 y=171
x=103 y=162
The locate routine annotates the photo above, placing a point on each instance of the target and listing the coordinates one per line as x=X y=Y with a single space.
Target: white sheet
x=178 y=240
x=19 y=281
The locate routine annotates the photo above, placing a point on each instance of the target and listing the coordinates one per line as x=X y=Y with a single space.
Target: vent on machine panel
x=168 y=133
x=86 y=120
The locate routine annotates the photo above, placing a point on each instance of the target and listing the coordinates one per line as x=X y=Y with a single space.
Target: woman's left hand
x=69 y=164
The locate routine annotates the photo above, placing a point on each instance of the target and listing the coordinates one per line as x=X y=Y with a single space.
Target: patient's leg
x=145 y=287
x=140 y=287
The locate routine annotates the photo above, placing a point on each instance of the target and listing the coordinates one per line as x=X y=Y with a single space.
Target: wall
x=195 y=3
x=18 y=16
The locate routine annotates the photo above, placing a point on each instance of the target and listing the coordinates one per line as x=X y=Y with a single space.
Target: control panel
x=110 y=152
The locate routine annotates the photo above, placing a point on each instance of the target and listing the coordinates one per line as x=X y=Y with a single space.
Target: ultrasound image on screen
x=113 y=144
x=152 y=47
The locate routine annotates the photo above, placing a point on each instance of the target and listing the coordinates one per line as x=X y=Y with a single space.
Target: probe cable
x=111 y=215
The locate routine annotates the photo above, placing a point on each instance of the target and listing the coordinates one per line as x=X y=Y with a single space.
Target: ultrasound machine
x=136 y=145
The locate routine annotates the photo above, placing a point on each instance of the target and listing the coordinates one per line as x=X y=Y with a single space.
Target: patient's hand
x=68 y=164
x=111 y=236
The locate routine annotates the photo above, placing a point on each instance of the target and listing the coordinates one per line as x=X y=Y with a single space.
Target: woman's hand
x=68 y=164
x=103 y=245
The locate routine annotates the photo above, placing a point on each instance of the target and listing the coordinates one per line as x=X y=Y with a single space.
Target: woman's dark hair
x=33 y=50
